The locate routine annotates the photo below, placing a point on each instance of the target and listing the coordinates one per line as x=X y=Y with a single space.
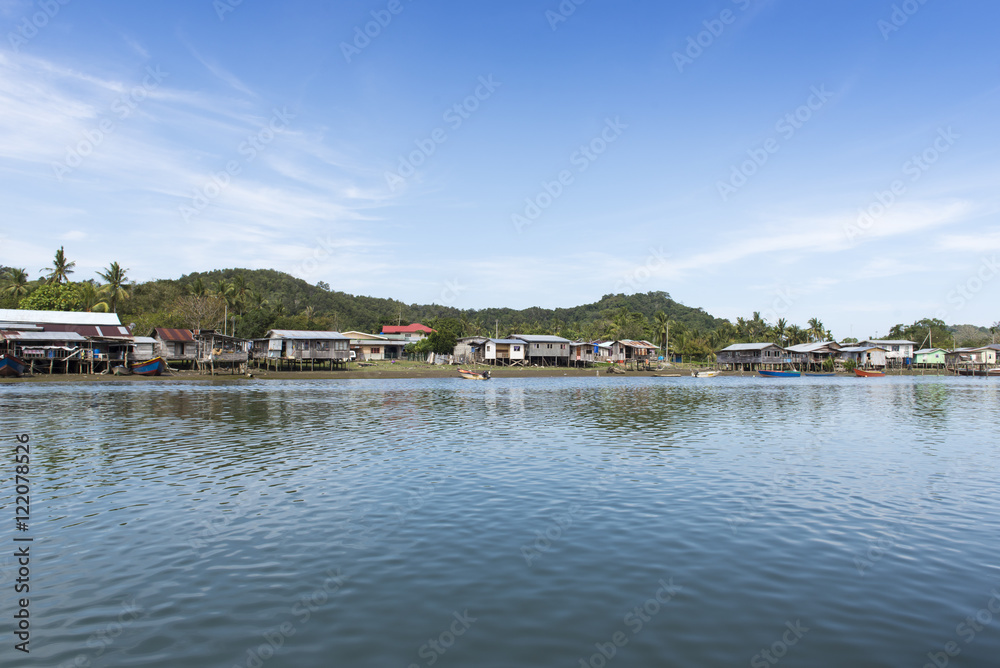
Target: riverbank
x=402 y=370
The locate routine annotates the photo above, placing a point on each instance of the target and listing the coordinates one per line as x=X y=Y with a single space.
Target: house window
x=322 y=346
x=562 y=346
x=548 y=345
x=895 y=349
x=517 y=349
x=376 y=350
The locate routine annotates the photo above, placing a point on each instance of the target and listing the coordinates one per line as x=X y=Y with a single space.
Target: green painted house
x=929 y=357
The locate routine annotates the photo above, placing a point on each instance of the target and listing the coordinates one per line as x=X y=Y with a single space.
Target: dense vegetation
x=250 y=302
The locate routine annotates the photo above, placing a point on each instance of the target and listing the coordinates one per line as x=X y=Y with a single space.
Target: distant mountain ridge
x=369 y=313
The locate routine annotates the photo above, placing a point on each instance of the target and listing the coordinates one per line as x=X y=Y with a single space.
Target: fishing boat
x=153 y=367
x=868 y=374
x=779 y=374
x=704 y=374
x=10 y=366
x=986 y=373
x=474 y=375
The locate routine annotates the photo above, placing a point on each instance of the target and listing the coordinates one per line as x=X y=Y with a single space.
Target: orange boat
x=868 y=374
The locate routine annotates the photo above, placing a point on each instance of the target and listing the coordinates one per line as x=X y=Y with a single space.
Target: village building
x=753 y=356
x=929 y=358
x=625 y=351
x=813 y=355
x=216 y=351
x=898 y=352
x=864 y=357
x=585 y=353
x=469 y=349
x=176 y=345
x=545 y=350
x=143 y=348
x=291 y=348
x=984 y=357
x=373 y=347
x=412 y=333
x=504 y=352
x=66 y=341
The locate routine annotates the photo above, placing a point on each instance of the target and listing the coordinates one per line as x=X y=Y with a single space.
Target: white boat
x=704 y=374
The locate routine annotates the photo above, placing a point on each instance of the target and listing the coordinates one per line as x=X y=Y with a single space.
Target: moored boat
x=868 y=374
x=705 y=374
x=153 y=367
x=986 y=373
x=474 y=375
x=10 y=366
x=779 y=374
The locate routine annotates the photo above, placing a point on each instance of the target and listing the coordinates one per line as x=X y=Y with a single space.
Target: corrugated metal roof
x=43 y=336
x=860 y=349
x=809 y=347
x=406 y=329
x=60 y=317
x=895 y=342
x=178 y=335
x=305 y=334
x=508 y=341
x=748 y=346
x=926 y=351
x=540 y=338
x=143 y=339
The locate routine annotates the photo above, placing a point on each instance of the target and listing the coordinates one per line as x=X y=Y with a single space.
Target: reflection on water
x=584 y=521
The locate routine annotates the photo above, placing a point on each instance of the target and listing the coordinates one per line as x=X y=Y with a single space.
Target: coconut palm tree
x=115 y=288
x=92 y=297
x=816 y=331
x=781 y=331
x=197 y=288
x=15 y=282
x=661 y=329
x=797 y=335
x=61 y=269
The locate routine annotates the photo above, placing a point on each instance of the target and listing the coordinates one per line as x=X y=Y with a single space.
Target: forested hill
x=265 y=298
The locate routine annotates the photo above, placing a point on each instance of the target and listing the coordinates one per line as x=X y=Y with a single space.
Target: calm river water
x=517 y=522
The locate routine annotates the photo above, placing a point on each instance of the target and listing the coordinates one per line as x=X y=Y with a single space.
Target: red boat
x=868 y=374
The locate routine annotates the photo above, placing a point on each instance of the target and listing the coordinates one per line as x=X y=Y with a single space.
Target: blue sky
x=798 y=159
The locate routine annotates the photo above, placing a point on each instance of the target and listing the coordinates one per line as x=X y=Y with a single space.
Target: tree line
x=247 y=303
